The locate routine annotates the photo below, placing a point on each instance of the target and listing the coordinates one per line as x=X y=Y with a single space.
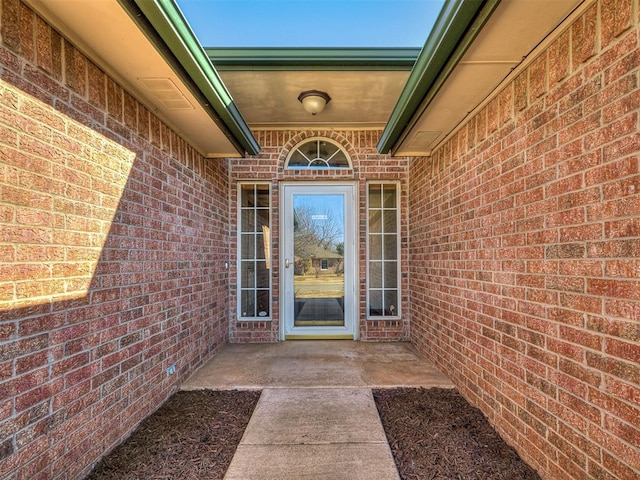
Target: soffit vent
x=167 y=93
x=423 y=139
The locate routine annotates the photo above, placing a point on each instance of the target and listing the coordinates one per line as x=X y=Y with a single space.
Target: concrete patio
x=316 y=417
x=317 y=364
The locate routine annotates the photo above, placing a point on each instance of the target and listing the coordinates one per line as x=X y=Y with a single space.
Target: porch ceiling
x=363 y=84
x=358 y=99
x=366 y=91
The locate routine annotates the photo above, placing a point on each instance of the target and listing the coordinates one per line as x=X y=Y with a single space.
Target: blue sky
x=311 y=23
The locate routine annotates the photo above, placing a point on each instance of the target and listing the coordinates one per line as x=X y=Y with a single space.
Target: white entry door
x=318 y=261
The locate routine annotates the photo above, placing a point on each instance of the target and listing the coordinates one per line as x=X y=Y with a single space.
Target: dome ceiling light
x=314 y=101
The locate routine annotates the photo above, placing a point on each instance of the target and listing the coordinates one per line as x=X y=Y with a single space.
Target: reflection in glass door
x=318 y=260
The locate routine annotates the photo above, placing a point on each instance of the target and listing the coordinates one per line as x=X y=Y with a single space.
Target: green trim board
x=240 y=59
x=457 y=26
x=166 y=27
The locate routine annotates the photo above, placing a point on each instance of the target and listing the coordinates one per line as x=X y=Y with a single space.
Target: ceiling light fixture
x=314 y=101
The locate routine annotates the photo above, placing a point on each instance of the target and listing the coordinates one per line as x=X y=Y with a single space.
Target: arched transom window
x=318 y=153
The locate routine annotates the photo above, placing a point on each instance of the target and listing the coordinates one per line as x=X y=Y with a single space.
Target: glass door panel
x=318 y=274
x=318 y=260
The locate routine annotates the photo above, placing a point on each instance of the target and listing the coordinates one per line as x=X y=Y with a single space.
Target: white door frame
x=287 y=310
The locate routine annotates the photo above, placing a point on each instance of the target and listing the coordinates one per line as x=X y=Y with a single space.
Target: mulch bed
x=192 y=436
x=435 y=434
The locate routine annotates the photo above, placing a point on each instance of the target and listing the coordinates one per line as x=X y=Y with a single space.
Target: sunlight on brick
x=59 y=195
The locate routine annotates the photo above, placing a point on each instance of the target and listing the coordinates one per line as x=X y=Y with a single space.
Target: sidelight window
x=383 y=250
x=254 y=246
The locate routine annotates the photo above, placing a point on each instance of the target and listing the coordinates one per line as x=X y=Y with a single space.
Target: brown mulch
x=435 y=434
x=192 y=436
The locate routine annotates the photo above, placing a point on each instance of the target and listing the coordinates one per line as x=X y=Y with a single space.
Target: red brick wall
x=367 y=164
x=524 y=247
x=113 y=238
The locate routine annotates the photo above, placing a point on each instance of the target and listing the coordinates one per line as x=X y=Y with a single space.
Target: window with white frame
x=383 y=250
x=254 y=247
x=318 y=153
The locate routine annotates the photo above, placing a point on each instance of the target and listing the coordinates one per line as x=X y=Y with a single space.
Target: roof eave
x=304 y=58
x=174 y=38
x=457 y=25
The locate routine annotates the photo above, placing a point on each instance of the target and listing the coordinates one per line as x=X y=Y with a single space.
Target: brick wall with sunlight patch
x=113 y=239
x=524 y=246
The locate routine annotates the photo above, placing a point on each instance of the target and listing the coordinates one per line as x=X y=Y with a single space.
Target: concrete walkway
x=316 y=417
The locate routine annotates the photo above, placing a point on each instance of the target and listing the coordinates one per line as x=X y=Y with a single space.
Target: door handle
x=286 y=263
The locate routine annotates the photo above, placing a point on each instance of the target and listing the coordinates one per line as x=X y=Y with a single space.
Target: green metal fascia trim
x=457 y=26
x=238 y=59
x=482 y=17
x=172 y=28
